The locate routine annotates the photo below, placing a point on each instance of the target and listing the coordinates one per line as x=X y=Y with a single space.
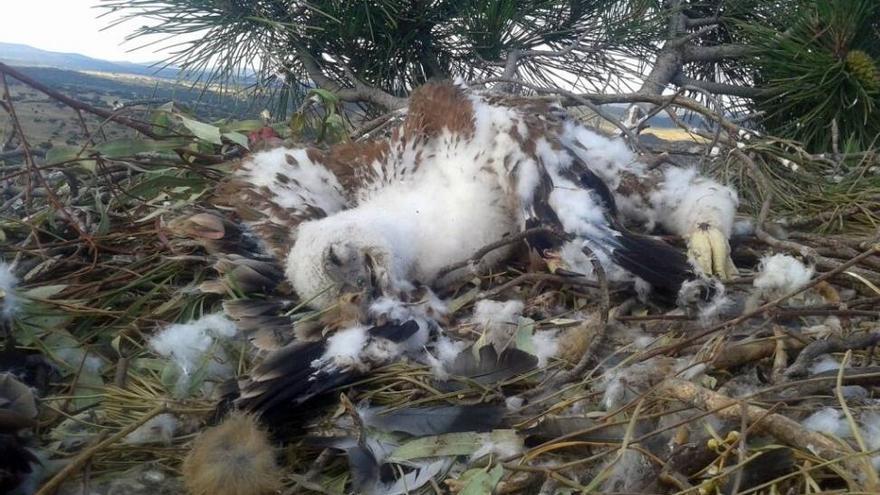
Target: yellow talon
x=709 y=249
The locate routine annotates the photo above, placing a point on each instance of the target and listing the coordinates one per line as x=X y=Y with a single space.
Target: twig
x=759 y=310
x=738 y=354
x=832 y=344
x=79 y=105
x=782 y=428
x=51 y=486
x=868 y=470
x=540 y=277
x=604 y=311
x=475 y=259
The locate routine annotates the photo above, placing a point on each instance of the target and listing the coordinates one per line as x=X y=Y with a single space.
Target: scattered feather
x=10 y=302
x=490 y=367
x=425 y=421
x=158 y=430
x=830 y=421
x=780 y=274
x=195 y=348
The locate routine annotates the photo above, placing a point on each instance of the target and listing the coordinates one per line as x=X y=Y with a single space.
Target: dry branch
x=79 y=105
x=782 y=428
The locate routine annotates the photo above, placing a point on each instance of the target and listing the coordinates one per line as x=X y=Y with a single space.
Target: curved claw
x=709 y=249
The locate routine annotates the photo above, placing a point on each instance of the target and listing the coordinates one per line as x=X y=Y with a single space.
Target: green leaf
x=328 y=98
x=242 y=125
x=60 y=154
x=452 y=444
x=205 y=132
x=104 y=222
x=153 y=186
x=480 y=481
x=297 y=123
x=43 y=291
x=237 y=138
x=88 y=388
x=525 y=331
x=162 y=124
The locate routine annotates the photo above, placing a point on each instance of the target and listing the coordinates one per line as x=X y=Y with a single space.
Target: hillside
x=49 y=123
x=25 y=55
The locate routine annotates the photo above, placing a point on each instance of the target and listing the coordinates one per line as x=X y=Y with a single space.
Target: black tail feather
x=663 y=266
x=287 y=378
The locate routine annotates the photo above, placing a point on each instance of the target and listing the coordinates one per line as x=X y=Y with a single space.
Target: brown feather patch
x=437 y=106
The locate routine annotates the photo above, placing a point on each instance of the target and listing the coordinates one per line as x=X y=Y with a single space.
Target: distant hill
x=24 y=55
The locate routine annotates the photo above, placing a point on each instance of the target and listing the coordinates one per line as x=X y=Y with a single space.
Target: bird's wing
x=682 y=201
x=276 y=190
x=561 y=180
x=299 y=371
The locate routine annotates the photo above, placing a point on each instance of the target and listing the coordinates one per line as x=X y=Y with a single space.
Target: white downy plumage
x=195 y=346
x=465 y=169
x=9 y=300
x=779 y=274
x=419 y=202
x=158 y=430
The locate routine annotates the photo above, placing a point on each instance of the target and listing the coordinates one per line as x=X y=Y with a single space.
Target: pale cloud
x=71 y=26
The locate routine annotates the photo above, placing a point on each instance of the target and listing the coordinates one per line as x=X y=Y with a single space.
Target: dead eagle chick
x=232 y=458
x=466 y=169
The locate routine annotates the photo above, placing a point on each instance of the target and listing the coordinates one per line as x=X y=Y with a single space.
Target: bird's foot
x=709 y=249
x=556 y=265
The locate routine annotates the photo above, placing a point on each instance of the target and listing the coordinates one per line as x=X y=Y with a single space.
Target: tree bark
x=359 y=93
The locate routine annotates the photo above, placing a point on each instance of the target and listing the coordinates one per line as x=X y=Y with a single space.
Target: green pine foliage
x=821 y=70
x=396 y=45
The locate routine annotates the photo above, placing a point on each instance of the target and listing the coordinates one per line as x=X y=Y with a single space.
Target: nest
x=638 y=398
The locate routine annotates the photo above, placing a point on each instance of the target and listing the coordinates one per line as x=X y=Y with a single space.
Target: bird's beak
x=374 y=288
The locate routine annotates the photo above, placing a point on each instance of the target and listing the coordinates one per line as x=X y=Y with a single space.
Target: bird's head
x=332 y=259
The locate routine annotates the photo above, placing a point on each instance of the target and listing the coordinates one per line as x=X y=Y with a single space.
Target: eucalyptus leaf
x=103 y=226
x=205 y=132
x=450 y=444
x=44 y=291
x=152 y=186
x=60 y=154
x=88 y=388
x=241 y=125
x=480 y=481
x=327 y=97
x=525 y=332
x=237 y=138
x=297 y=123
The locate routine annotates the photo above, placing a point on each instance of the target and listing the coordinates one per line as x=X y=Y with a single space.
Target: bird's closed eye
x=333 y=258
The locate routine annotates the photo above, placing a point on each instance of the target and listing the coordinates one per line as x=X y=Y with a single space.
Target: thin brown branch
x=78 y=105
x=780 y=427
x=701 y=21
x=721 y=88
x=715 y=53
x=832 y=344
x=538 y=277
x=472 y=262
x=760 y=310
x=54 y=483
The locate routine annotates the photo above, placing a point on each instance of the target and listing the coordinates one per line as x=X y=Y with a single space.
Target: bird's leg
x=381 y=282
x=548 y=244
x=710 y=251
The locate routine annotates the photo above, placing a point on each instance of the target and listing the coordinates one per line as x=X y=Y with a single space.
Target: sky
x=70 y=26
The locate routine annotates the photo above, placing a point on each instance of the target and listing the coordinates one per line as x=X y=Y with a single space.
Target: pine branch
x=361 y=92
x=716 y=53
x=721 y=88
